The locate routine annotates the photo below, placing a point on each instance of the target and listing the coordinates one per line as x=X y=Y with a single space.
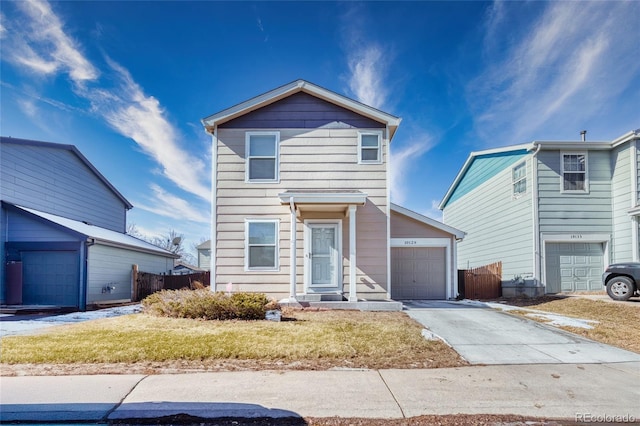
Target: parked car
x=621 y=280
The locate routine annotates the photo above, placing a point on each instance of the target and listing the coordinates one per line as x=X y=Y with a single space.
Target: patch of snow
x=560 y=320
x=549 y=318
x=11 y=325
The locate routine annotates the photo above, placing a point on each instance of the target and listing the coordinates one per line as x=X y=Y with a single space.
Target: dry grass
x=309 y=339
x=618 y=324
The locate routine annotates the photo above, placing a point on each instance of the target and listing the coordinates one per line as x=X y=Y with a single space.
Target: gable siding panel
x=406 y=227
x=56 y=181
x=498 y=227
x=301 y=111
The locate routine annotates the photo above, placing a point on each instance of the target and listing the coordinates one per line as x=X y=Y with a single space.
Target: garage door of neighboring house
x=50 y=278
x=574 y=266
x=418 y=273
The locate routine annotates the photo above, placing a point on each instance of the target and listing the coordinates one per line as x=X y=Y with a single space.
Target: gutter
x=84 y=287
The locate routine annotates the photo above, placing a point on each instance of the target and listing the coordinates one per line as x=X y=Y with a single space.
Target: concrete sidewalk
x=545 y=390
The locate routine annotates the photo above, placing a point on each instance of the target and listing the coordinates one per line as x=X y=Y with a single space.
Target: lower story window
x=261 y=244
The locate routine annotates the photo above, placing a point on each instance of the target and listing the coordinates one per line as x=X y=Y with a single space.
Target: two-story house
x=554 y=213
x=63 y=230
x=301 y=207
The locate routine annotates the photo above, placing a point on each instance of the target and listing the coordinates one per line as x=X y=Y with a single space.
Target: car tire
x=620 y=288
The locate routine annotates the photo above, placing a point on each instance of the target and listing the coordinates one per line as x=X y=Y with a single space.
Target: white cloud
x=367 y=60
x=168 y=205
x=555 y=75
x=42 y=45
x=366 y=79
x=39 y=43
x=140 y=117
x=433 y=211
x=401 y=163
x=28 y=107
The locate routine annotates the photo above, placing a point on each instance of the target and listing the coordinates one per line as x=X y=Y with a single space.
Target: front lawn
x=306 y=340
x=618 y=323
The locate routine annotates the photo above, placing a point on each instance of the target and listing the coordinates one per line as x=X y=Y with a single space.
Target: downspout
x=214 y=211
x=293 y=254
x=635 y=220
x=84 y=271
x=537 y=272
x=388 y=210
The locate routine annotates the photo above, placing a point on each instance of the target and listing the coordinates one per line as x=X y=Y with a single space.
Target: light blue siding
x=109 y=276
x=561 y=212
x=56 y=181
x=204 y=259
x=621 y=203
x=482 y=169
x=638 y=170
x=499 y=227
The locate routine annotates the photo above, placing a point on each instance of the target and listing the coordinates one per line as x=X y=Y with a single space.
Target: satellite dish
x=176 y=241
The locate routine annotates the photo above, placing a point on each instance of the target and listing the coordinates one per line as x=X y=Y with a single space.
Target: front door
x=323 y=254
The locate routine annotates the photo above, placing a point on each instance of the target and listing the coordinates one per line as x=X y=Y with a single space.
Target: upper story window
x=262 y=150
x=519 y=179
x=370 y=148
x=574 y=172
x=261 y=244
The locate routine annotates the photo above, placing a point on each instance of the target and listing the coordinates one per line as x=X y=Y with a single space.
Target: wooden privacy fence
x=484 y=282
x=145 y=283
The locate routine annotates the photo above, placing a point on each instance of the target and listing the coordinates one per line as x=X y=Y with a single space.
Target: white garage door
x=418 y=273
x=574 y=266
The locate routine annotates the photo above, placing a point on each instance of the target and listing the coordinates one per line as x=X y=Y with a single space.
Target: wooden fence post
x=134 y=283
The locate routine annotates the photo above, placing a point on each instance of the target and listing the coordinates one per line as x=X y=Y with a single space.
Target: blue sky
x=128 y=82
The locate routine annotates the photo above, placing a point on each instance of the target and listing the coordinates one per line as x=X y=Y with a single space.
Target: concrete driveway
x=483 y=335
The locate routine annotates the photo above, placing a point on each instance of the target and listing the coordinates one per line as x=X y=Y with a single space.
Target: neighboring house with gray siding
x=301 y=206
x=204 y=255
x=554 y=213
x=63 y=230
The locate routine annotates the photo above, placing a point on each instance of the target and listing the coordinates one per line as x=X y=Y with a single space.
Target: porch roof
x=323 y=200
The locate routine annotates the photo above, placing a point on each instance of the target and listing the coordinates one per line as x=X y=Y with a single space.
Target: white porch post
x=293 y=255
x=353 y=297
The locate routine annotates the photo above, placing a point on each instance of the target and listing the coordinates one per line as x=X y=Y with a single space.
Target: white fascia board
x=629 y=136
x=634 y=212
x=159 y=252
x=574 y=145
x=331 y=198
x=251 y=104
x=428 y=221
x=301 y=86
x=467 y=164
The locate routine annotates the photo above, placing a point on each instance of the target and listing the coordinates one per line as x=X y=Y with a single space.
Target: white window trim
x=360 y=148
x=586 y=173
x=247 y=157
x=276 y=267
x=514 y=182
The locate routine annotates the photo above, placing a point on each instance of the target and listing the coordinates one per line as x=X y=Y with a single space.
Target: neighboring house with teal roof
x=555 y=213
